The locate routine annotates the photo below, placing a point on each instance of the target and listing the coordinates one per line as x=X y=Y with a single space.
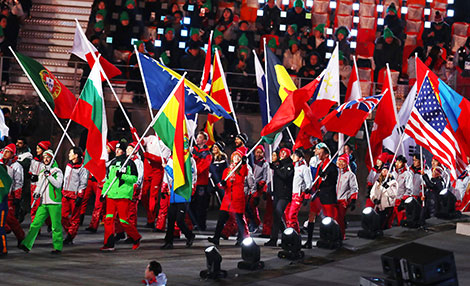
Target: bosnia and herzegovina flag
x=49 y=88
x=90 y=112
x=159 y=80
x=455 y=106
x=170 y=126
x=5 y=183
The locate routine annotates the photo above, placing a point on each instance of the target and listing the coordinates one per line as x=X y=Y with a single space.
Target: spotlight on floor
x=446 y=205
x=370 y=223
x=251 y=255
x=330 y=234
x=214 y=259
x=412 y=213
x=291 y=244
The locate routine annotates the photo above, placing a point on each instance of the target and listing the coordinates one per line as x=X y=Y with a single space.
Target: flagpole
x=41 y=97
x=246 y=155
x=270 y=146
x=422 y=169
x=394 y=103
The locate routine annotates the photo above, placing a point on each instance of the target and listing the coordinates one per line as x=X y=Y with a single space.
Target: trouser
x=231 y=226
x=121 y=207
x=3 y=218
x=330 y=211
x=43 y=212
x=36 y=204
x=12 y=222
x=252 y=213
x=429 y=209
x=70 y=216
x=369 y=203
x=91 y=190
x=385 y=216
x=133 y=206
x=400 y=215
x=98 y=210
x=341 y=208
x=268 y=215
x=278 y=217
x=150 y=190
x=163 y=211
x=223 y=217
x=177 y=213
x=199 y=205
x=292 y=218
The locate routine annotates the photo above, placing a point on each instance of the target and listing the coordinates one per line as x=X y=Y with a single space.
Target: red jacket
x=152 y=165
x=203 y=159
x=234 y=198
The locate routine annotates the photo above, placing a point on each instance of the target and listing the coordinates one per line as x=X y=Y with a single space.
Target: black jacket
x=434 y=184
x=327 y=188
x=282 y=178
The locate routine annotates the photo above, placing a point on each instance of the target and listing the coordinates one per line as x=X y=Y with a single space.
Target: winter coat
x=51 y=186
x=413 y=182
x=302 y=178
x=250 y=185
x=401 y=176
x=298 y=19
x=346 y=188
x=292 y=62
x=260 y=171
x=203 y=159
x=386 y=196
x=35 y=167
x=160 y=280
x=327 y=186
x=234 y=198
x=15 y=171
x=388 y=53
x=282 y=179
x=435 y=185
x=372 y=177
x=152 y=159
x=122 y=188
x=75 y=180
x=217 y=168
x=140 y=170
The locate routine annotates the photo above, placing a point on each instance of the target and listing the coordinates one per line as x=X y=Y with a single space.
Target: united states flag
x=429 y=127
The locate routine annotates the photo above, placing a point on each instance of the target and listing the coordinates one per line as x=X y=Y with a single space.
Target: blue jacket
x=174 y=197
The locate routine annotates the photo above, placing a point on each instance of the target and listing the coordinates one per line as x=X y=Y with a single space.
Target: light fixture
x=380 y=21
x=370 y=223
x=427 y=11
x=182 y=45
x=213 y=259
x=355 y=19
x=429 y=1
x=380 y=8
x=158 y=43
x=353 y=45
x=282 y=27
x=329 y=31
x=251 y=255
x=450 y=2
x=231 y=49
x=309 y=3
x=285 y=2
x=355 y=6
x=353 y=32
x=261 y=1
x=259 y=13
x=160 y=31
x=184 y=33
x=283 y=14
x=291 y=244
x=404 y=10
x=327 y=55
x=450 y=13
x=332 y=5
x=427 y=24
x=330 y=43
x=412 y=213
x=330 y=234
x=445 y=208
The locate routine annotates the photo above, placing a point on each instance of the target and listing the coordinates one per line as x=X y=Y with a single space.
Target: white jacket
x=75 y=179
x=413 y=183
x=56 y=182
x=302 y=178
x=15 y=171
x=386 y=196
x=250 y=184
x=140 y=170
x=401 y=177
x=346 y=186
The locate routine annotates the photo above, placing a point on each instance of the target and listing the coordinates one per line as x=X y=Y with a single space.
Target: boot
x=68 y=240
x=82 y=218
x=271 y=242
x=119 y=236
x=167 y=245
x=213 y=240
x=310 y=228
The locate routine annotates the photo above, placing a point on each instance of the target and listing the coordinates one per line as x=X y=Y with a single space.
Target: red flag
x=384 y=122
x=354 y=86
x=205 y=84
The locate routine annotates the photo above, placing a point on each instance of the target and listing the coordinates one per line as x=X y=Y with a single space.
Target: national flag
x=455 y=106
x=160 y=80
x=205 y=79
x=384 y=122
x=171 y=127
x=261 y=84
x=430 y=128
x=349 y=117
x=5 y=183
x=90 y=112
x=49 y=88
x=219 y=92
x=83 y=49
x=354 y=85
x=3 y=127
x=391 y=142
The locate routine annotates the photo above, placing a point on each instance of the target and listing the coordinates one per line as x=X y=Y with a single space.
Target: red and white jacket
x=401 y=176
x=346 y=187
x=15 y=171
x=75 y=180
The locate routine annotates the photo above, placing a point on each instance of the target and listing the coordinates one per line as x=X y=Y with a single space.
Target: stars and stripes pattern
x=429 y=126
x=365 y=104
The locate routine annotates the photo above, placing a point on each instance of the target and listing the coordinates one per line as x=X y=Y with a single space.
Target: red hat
x=260 y=147
x=112 y=145
x=384 y=157
x=286 y=150
x=11 y=147
x=236 y=152
x=345 y=158
x=44 y=145
x=133 y=144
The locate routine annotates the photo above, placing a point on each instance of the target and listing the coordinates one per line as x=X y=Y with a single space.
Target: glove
x=244 y=160
x=322 y=175
x=376 y=201
x=47 y=173
x=223 y=183
x=264 y=196
x=102 y=199
x=78 y=201
x=256 y=201
x=163 y=195
x=34 y=178
x=385 y=185
x=309 y=191
x=119 y=174
x=352 y=205
x=36 y=196
x=305 y=202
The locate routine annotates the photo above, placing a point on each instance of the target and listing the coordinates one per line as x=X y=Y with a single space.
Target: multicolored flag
x=49 y=88
x=5 y=183
x=90 y=112
x=205 y=79
x=3 y=127
x=171 y=127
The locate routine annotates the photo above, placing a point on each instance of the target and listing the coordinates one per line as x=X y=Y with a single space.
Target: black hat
x=122 y=145
x=220 y=145
x=243 y=137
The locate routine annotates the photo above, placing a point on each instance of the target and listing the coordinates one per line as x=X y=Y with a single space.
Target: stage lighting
x=330 y=234
x=427 y=24
x=380 y=21
x=250 y=255
x=450 y=13
x=380 y=8
x=332 y=5
x=353 y=45
x=413 y=213
x=283 y=14
x=404 y=10
x=356 y=19
x=427 y=11
x=445 y=208
x=260 y=13
x=355 y=6
x=370 y=223
x=214 y=259
x=291 y=244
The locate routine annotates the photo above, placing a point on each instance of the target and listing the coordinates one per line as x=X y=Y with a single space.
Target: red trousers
x=341 y=208
x=121 y=208
x=91 y=189
x=133 y=206
x=231 y=226
x=400 y=215
x=163 y=211
x=13 y=223
x=369 y=203
x=36 y=205
x=150 y=190
x=70 y=216
x=98 y=210
x=292 y=212
x=254 y=219
x=330 y=210
x=268 y=215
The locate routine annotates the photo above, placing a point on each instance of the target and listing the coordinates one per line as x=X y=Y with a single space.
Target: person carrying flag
x=346 y=191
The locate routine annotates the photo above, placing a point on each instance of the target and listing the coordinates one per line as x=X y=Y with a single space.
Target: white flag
x=3 y=127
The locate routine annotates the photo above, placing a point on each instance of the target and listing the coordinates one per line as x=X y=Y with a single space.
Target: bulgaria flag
x=91 y=114
x=82 y=48
x=170 y=125
x=49 y=88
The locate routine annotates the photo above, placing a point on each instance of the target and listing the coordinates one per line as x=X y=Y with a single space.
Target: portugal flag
x=91 y=114
x=49 y=88
x=171 y=128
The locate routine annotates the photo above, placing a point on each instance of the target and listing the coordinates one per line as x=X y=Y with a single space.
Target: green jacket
x=122 y=188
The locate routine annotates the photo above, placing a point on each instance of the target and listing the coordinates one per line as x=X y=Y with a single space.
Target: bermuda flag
x=91 y=114
x=82 y=48
x=349 y=117
x=49 y=88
